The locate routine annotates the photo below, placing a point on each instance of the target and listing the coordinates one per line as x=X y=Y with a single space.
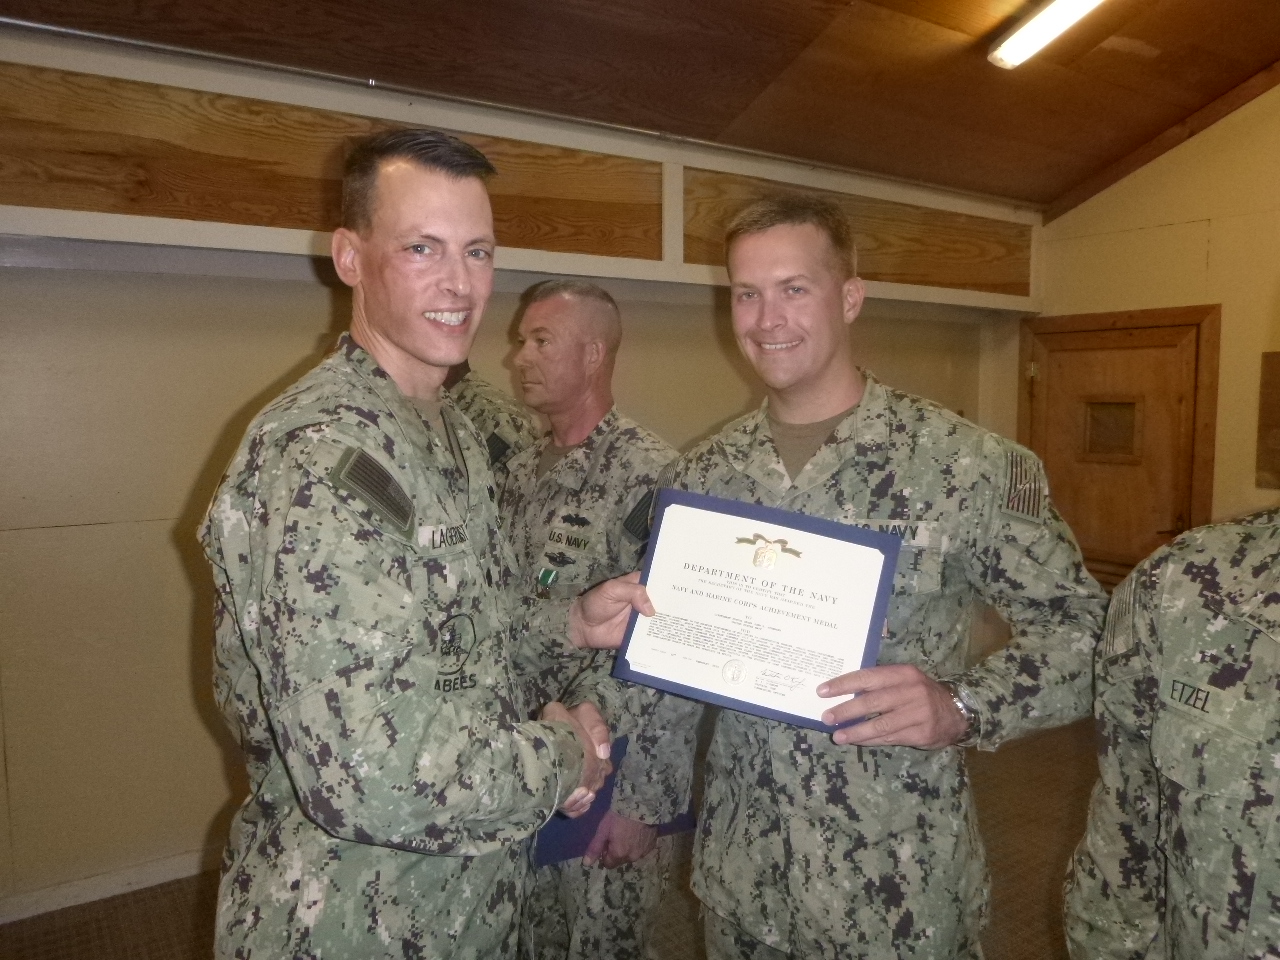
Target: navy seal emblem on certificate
x=757 y=606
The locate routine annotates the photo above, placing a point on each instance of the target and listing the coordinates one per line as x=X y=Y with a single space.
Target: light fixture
x=1035 y=32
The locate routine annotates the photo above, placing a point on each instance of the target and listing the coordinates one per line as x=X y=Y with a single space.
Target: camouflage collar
x=415 y=432
x=361 y=359
x=577 y=465
x=863 y=433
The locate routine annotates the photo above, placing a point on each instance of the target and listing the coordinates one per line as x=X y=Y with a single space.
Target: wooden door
x=1120 y=407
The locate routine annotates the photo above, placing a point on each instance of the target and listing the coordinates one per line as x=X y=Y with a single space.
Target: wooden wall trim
x=1204 y=446
x=76 y=141
x=171 y=68
x=896 y=242
x=298 y=104
x=118 y=228
x=1179 y=133
x=1157 y=317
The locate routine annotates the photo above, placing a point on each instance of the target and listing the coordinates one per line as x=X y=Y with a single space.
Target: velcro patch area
x=497 y=448
x=637 y=522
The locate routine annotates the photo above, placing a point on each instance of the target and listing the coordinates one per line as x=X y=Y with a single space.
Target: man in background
x=576 y=508
x=863 y=843
x=363 y=610
x=1181 y=855
x=505 y=425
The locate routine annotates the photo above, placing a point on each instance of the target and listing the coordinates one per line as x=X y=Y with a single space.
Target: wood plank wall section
x=897 y=242
x=75 y=141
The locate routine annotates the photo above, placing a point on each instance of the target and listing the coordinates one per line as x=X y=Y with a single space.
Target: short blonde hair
x=782 y=209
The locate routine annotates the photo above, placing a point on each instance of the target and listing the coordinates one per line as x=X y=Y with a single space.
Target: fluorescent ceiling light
x=1034 y=33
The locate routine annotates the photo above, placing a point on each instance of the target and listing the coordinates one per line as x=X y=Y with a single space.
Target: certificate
x=757 y=606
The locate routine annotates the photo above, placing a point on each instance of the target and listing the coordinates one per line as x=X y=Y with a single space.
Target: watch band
x=973 y=728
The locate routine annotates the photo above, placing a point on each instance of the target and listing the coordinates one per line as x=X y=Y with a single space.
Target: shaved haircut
x=607 y=318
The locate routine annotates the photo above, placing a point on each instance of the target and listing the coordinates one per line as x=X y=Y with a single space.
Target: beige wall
x=124 y=396
x=1201 y=224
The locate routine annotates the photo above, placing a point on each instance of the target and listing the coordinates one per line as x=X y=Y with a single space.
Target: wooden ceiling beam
x=1179 y=133
x=899 y=88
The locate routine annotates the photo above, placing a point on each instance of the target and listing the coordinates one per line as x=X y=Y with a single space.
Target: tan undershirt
x=550 y=457
x=798 y=442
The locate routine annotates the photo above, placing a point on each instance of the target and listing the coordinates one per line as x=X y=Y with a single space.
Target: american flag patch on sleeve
x=1024 y=494
x=1117 y=636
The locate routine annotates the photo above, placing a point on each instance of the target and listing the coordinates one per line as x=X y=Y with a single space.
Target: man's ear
x=595 y=354
x=852 y=294
x=345 y=248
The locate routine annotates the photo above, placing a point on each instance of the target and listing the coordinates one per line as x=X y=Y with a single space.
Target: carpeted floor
x=1031 y=803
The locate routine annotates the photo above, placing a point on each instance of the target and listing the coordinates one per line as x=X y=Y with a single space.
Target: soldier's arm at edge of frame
x=1112 y=898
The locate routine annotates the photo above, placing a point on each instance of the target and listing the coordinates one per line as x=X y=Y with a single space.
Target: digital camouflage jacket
x=838 y=851
x=505 y=425
x=587 y=520
x=1181 y=857
x=361 y=661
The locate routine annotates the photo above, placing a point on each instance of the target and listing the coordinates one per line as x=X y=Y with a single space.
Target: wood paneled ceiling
x=895 y=87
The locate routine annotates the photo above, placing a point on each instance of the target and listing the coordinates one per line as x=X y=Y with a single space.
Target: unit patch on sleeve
x=1024 y=494
x=361 y=474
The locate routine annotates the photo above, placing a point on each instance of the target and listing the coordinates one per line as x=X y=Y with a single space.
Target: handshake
x=597 y=620
x=617 y=839
x=593 y=735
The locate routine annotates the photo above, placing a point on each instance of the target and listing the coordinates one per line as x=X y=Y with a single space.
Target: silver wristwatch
x=973 y=722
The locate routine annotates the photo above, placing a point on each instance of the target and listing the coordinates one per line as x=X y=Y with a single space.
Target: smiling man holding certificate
x=861 y=843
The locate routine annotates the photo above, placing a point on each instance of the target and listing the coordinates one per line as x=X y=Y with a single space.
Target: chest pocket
x=574 y=549
x=920 y=559
x=1217 y=708
x=919 y=569
x=1202 y=757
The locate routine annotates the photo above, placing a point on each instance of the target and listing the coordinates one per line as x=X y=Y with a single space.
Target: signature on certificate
x=775 y=681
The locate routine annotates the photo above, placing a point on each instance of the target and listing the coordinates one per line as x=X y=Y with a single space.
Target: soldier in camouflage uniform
x=1181 y=857
x=506 y=425
x=576 y=508
x=363 y=612
x=864 y=844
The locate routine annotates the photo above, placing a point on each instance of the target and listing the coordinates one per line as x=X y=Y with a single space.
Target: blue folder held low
x=565 y=839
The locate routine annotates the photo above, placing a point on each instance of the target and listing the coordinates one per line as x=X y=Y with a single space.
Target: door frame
x=1207 y=319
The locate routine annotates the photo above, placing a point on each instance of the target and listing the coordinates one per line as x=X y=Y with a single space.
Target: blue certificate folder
x=887 y=544
x=563 y=839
